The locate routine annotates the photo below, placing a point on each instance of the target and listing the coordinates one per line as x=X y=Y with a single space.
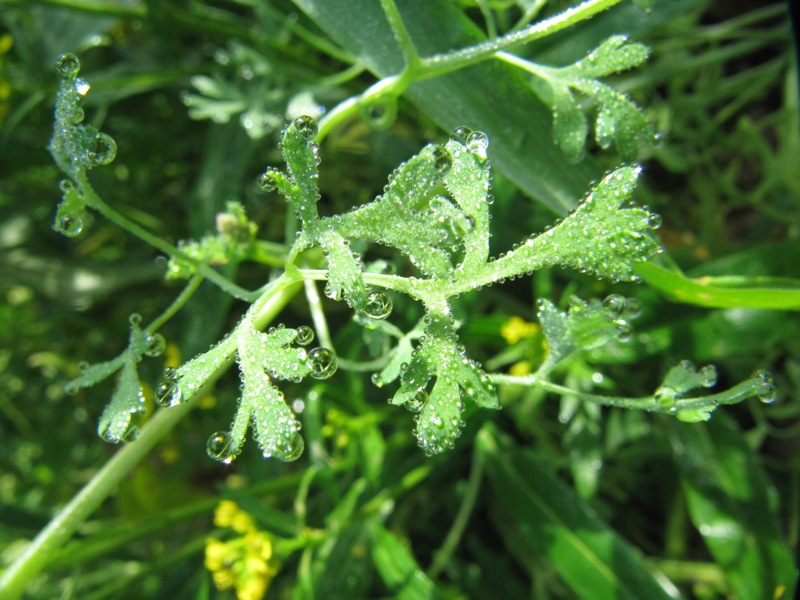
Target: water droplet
x=82 y=86
x=614 y=303
x=220 y=446
x=477 y=144
x=417 y=402
x=294 y=449
x=69 y=225
x=268 y=181
x=654 y=221
x=67 y=65
x=665 y=396
x=135 y=319
x=379 y=305
x=107 y=435
x=376 y=380
x=442 y=161
x=306 y=126
x=460 y=134
x=687 y=366
x=154 y=344
x=709 y=376
x=305 y=335
x=322 y=362
x=765 y=386
x=66 y=185
x=131 y=435
x=103 y=151
x=168 y=393
x=624 y=331
x=633 y=308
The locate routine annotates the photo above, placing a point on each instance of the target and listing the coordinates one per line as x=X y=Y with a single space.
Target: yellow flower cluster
x=246 y=562
x=516 y=330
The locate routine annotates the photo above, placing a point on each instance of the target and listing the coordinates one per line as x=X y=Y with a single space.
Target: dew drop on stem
x=306 y=126
x=221 y=447
x=765 y=386
x=708 y=376
x=69 y=225
x=154 y=344
x=103 y=150
x=67 y=65
x=322 y=362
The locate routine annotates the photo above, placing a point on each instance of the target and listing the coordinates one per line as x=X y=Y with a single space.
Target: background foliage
x=550 y=497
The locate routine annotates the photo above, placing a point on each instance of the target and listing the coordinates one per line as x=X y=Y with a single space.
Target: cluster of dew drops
x=101 y=149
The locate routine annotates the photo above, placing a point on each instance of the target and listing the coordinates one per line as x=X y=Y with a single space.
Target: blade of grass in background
x=734 y=507
x=538 y=514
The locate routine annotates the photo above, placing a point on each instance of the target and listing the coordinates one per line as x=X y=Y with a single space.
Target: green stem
x=458 y=59
x=93 y=200
x=734 y=395
x=177 y=304
x=450 y=544
x=401 y=34
x=67 y=522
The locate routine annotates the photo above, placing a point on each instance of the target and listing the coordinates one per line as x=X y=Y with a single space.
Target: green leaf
x=469 y=97
x=536 y=513
x=734 y=507
x=399 y=568
x=569 y=124
x=128 y=399
x=602 y=236
x=717 y=292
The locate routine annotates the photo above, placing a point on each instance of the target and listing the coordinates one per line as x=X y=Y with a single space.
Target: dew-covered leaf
x=93 y=374
x=468 y=183
x=585 y=325
x=190 y=378
x=275 y=426
x=614 y=55
x=569 y=125
x=345 y=278
x=439 y=423
x=407 y=215
x=75 y=146
x=128 y=399
x=602 y=236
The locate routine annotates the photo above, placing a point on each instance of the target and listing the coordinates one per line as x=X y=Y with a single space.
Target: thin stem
x=317 y=313
x=737 y=393
x=401 y=34
x=93 y=200
x=177 y=304
x=452 y=61
x=67 y=522
x=450 y=544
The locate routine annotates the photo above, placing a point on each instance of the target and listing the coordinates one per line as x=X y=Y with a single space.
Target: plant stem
x=93 y=200
x=67 y=522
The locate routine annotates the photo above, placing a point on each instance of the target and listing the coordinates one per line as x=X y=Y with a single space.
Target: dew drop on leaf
x=416 y=403
x=460 y=134
x=168 y=393
x=377 y=381
x=103 y=151
x=322 y=362
x=442 y=161
x=82 y=86
x=478 y=143
x=154 y=344
x=306 y=126
x=220 y=447
x=294 y=449
x=305 y=335
x=665 y=396
x=267 y=182
x=633 y=308
x=378 y=305
x=67 y=65
x=614 y=303
x=131 y=435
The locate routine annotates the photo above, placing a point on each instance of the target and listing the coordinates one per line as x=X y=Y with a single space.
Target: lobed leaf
x=128 y=399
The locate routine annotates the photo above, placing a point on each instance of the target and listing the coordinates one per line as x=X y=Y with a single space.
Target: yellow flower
x=516 y=329
x=245 y=562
